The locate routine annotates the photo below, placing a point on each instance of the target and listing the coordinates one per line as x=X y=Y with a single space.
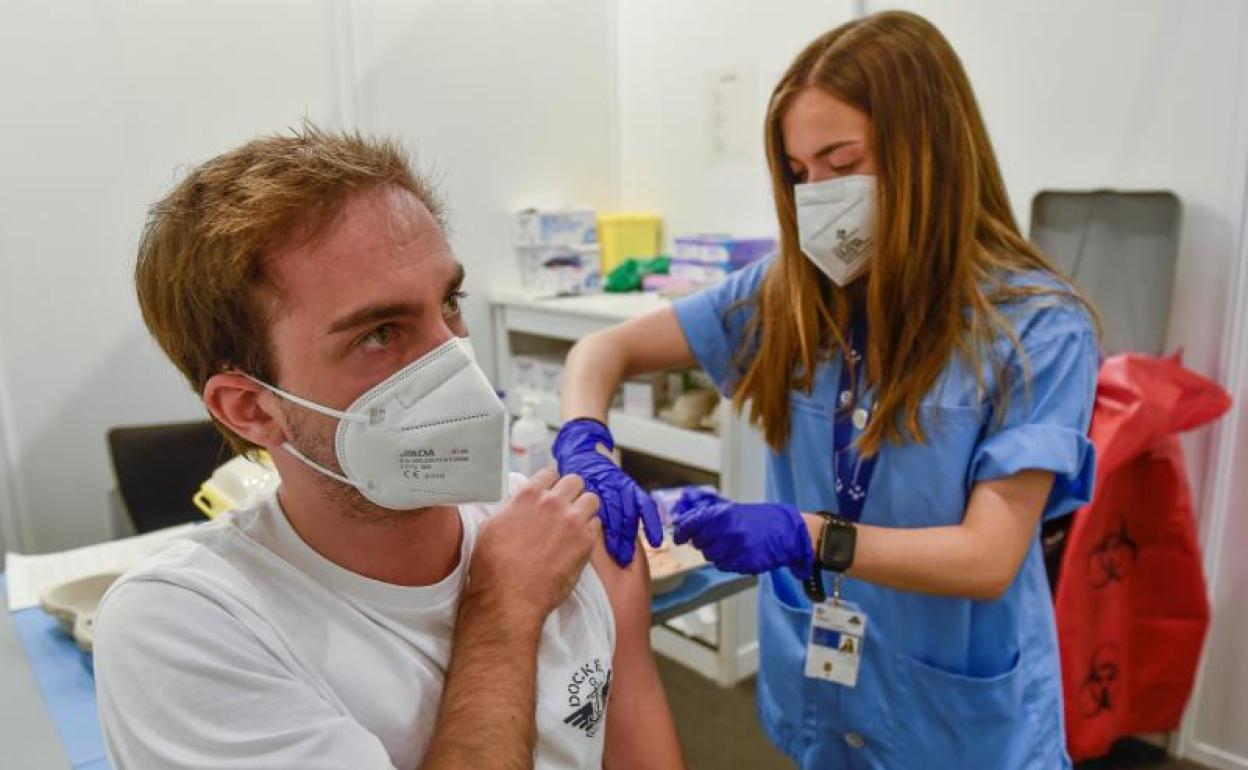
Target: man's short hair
x=199 y=274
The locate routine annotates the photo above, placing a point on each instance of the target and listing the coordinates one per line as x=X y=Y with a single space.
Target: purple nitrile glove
x=744 y=537
x=622 y=501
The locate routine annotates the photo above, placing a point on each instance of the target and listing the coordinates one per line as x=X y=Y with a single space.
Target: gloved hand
x=744 y=537
x=622 y=501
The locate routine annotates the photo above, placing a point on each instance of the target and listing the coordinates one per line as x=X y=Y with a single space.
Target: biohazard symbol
x=1096 y=694
x=1112 y=557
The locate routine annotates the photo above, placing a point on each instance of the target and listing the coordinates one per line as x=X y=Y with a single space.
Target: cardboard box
x=574 y=227
x=640 y=397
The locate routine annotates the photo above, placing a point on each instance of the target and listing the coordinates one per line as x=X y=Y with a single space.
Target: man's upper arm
x=628 y=590
x=640 y=730
x=182 y=683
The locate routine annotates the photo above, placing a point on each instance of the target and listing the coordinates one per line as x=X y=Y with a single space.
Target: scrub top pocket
x=964 y=716
x=821 y=724
x=785 y=696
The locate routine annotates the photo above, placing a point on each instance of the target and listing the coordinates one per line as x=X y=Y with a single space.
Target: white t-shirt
x=240 y=646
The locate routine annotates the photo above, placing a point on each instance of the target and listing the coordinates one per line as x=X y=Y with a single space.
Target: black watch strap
x=814 y=585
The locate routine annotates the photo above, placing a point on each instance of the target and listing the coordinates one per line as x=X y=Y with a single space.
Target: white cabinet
x=722 y=642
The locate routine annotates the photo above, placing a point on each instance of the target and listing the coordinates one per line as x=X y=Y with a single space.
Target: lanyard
x=853 y=471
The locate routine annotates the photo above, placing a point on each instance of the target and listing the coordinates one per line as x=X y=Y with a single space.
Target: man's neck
x=416 y=548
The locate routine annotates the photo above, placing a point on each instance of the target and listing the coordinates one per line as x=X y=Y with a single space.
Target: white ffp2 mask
x=836 y=225
x=433 y=433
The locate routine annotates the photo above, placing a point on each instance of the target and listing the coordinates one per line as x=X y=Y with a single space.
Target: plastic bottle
x=530 y=440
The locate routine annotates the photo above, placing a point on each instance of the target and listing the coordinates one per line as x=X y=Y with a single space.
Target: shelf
x=570 y=318
x=641 y=434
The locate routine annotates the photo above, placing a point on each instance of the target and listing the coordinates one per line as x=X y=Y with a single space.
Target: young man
x=376 y=611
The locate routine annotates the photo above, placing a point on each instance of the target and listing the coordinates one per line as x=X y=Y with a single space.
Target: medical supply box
x=557 y=250
x=706 y=258
x=627 y=235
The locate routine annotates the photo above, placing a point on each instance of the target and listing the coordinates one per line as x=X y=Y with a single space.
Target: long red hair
x=946 y=241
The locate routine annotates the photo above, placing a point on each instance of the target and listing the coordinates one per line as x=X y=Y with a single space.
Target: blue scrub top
x=944 y=682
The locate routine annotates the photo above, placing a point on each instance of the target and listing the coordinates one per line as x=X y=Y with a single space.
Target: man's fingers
x=545 y=478
x=569 y=487
x=586 y=506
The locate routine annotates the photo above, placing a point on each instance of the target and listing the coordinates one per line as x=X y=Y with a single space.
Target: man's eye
x=450 y=305
x=378 y=338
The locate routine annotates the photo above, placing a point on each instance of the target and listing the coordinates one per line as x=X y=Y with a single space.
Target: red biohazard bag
x=1132 y=608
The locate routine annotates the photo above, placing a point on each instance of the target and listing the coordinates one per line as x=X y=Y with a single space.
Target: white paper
x=28 y=577
x=733 y=119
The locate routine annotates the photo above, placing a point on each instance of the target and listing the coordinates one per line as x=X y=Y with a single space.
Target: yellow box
x=624 y=235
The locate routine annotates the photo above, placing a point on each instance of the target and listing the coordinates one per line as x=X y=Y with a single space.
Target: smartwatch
x=835 y=551
x=837 y=541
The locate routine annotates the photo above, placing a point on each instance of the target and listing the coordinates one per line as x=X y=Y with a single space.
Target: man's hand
x=535 y=547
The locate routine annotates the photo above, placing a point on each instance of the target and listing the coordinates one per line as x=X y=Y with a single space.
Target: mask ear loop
x=291 y=397
x=289 y=447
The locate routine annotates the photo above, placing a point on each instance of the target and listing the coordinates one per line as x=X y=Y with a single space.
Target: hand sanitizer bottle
x=530 y=440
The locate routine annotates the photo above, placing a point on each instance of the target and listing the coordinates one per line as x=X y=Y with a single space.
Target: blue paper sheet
x=64 y=675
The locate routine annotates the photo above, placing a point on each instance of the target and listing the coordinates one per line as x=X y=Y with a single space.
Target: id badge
x=834 y=652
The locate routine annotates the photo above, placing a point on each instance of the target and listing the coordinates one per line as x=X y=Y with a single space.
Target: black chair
x=159 y=467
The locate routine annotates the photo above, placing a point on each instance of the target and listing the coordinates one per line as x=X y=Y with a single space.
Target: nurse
x=924 y=378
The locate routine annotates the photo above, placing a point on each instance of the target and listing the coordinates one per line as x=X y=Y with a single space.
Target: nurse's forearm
x=599 y=362
x=949 y=561
x=591 y=374
x=977 y=559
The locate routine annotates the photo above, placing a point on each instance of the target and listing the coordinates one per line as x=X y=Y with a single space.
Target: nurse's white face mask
x=836 y=225
x=433 y=433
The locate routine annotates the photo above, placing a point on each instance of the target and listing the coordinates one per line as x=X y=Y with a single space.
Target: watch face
x=836 y=546
x=827 y=546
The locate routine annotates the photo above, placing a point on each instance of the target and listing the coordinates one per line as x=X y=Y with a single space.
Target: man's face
x=376 y=291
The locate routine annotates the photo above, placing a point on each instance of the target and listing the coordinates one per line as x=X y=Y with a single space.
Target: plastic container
x=234 y=484
x=74 y=604
x=625 y=235
x=530 y=441
x=1120 y=247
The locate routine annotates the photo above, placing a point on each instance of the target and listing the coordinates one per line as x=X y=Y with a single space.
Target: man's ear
x=246 y=407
